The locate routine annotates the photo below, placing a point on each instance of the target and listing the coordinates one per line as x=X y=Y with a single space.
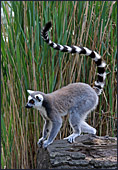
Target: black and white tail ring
x=101 y=75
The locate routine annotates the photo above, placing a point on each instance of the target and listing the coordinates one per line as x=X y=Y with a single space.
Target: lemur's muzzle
x=28 y=106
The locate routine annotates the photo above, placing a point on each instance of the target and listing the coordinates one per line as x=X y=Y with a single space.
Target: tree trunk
x=89 y=152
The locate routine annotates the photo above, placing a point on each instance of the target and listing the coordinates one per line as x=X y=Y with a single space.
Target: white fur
x=29 y=98
x=88 y=52
x=102 y=65
x=54 y=45
x=50 y=41
x=77 y=49
x=37 y=105
x=103 y=75
x=71 y=138
x=86 y=128
x=69 y=48
x=97 y=56
x=61 y=47
x=99 y=84
x=39 y=96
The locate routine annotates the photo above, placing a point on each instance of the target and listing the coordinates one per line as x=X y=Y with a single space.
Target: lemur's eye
x=31 y=101
x=38 y=98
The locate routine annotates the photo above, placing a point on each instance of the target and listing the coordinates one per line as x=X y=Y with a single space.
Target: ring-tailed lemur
x=76 y=99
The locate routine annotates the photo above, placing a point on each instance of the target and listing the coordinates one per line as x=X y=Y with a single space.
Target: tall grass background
x=28 y=63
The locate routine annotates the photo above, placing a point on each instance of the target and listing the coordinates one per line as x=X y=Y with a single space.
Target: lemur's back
x=76 y=90
x=75 y=95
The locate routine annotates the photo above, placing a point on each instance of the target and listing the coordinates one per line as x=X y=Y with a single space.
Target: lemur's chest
x=43 y=113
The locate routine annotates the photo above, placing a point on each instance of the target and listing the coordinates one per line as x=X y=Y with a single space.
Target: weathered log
x=88 y=152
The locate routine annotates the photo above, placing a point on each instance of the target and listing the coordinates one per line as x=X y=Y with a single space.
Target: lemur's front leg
x=46 y=131
x=56 y=125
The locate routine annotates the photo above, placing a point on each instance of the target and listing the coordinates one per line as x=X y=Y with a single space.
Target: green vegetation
x=28 y=63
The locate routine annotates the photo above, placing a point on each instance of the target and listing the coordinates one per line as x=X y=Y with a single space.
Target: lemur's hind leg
x=74 y=120
x=87 y=128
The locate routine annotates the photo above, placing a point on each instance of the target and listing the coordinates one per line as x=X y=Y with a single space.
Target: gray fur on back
x=79 y=96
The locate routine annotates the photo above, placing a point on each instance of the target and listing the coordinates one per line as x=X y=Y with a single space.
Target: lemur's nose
x=27 y=106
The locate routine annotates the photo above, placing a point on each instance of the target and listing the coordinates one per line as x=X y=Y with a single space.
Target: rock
x=89 y=151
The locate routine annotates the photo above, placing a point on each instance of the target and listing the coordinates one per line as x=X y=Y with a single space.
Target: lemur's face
x=35 y=100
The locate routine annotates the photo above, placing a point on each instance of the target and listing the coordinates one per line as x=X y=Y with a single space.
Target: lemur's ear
x=30 y=91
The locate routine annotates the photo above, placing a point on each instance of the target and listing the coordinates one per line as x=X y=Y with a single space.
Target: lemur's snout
x=27 y=106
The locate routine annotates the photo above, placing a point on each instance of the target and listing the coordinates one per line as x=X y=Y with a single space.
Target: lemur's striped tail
x=99 y=84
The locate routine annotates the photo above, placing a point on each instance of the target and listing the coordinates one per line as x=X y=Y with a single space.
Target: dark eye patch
x=31 y=101
x=38 y=98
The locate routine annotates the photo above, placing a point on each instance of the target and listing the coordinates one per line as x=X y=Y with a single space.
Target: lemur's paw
x=71 y=138
x=40 y=142
x=46 y=143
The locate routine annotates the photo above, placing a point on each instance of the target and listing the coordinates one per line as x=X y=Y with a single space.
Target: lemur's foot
x=46 y=143
x=71 y=138
x=40 y=142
